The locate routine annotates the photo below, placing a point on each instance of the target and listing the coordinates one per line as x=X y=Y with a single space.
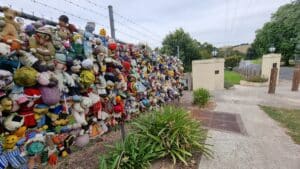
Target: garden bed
x=88 y=157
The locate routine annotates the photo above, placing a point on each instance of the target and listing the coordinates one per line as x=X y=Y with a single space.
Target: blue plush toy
x=88 y=37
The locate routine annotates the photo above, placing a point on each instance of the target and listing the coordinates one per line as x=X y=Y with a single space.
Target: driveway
x=286 y=73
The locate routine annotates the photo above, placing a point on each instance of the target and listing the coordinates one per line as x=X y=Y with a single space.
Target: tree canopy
x=283 y=31
x=189 y=48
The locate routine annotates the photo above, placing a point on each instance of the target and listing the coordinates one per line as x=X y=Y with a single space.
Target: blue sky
x=220 y=22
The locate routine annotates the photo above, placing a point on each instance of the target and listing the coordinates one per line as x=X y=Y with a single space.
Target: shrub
x=201 y=97
x=172 y=133
x=132 y=153
x=169 y=132
x=257 y=79
x=232 y=61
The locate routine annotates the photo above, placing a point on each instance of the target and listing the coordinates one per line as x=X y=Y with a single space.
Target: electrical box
x=208 y=74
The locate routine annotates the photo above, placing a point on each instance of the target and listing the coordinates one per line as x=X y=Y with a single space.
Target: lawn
x=289 y=119
x=231 y=78
x=257 y=61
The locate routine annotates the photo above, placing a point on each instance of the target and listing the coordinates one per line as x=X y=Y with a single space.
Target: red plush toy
x=26 y=107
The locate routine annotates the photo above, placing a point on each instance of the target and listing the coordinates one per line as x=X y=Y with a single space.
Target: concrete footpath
x=265 y=144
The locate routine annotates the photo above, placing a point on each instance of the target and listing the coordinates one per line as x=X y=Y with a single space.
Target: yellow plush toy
x=10 y=142
x=102 y=32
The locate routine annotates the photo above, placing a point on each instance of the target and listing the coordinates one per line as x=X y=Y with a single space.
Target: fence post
x=296 y=78
x=273 y=79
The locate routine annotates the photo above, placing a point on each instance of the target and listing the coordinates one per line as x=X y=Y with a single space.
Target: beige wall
x=267 y=63
x=208 y=74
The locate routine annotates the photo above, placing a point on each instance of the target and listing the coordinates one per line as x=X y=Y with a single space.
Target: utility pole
x=111 y=21
x=113 y=35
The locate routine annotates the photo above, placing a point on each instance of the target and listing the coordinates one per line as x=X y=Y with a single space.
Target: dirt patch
x=167 y=163
x=88 y=157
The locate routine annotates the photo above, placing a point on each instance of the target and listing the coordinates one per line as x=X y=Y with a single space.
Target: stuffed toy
x=6 y=82
x=87 y=78
x=78 y=113
x=34 y=148
x=4 y=49
x=77 y=45
x=40 y=111
x=112 y=46
x=27 y=103
x=10 y=28
x=26 y=76
x=50 y=92
x=64 y=79
x=13 y=122
x=101 y=86
x=63 y=21
x=88 y=39
x=103 y=37
x=10 y=142
x=6 y=105
x=82 y=140
x=63 y=143
x=42 y=47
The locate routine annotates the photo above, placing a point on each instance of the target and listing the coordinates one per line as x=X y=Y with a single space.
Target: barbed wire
x=130 y=28
x=64 y=12
x=125 y=18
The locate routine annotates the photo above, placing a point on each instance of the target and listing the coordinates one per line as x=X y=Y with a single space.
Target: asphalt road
x=286 y=73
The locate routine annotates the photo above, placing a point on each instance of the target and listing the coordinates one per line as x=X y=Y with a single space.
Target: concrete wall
x=267 y=64
x=208 y=74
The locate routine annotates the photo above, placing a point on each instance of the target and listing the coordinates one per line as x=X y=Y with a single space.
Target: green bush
x=130 y=154
x=201 y=97
x=172 y=133
x=232 y=61
x=257 y=79
x=169 y=132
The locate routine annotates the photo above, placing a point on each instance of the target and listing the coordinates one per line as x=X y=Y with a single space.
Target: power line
x=141 y=26
x=136 y=30
x=59 y=10
x=105 y=16
x=88 y=9
x=81 y=18
x=124 y=18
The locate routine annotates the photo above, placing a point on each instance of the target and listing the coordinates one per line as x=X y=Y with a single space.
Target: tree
x=281 y=32
x=189 y=48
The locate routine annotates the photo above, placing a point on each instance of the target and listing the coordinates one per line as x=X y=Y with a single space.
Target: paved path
x=286 y=73
x=266 y=145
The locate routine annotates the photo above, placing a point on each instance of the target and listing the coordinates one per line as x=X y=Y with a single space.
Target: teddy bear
x=9 y=27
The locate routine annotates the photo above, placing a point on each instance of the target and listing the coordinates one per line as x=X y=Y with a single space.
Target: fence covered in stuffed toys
x=60 y=87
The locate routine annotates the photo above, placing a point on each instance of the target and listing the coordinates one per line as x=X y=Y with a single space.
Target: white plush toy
x=78 y=113
x=4 y=49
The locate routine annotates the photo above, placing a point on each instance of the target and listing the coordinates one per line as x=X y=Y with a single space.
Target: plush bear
x=10 y=28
